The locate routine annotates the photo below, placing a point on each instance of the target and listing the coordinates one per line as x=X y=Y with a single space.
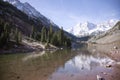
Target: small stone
x=104 y=73
x=61 y=48
x=99 y=77
x=115 y=47
x=18 y=77
x=108 y=66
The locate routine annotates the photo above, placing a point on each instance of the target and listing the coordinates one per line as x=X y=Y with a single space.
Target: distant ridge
x=88 y=28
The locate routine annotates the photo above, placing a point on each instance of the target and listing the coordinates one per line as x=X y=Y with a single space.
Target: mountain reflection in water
x=84 y=63
x=58 y=65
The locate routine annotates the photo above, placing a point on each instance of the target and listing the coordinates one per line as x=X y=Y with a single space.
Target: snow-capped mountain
x=87 y=28
x=82 y=29
x=30 y=11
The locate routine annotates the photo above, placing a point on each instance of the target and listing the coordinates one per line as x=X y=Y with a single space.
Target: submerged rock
x=99 y=77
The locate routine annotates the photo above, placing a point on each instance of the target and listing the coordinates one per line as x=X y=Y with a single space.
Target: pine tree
x=18 y=36
x=50 y=33
x=43 y=35
x=54 y=39
x=2 y=40
x=38 y=36
x=4 y=33
x=61 y=37
x=32 y=35
x=68 y=41
x=48 y=37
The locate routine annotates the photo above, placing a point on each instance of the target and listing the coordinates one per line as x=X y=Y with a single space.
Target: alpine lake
x=66 y=64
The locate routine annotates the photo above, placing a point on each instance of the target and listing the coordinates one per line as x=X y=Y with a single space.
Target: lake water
x=78 y=64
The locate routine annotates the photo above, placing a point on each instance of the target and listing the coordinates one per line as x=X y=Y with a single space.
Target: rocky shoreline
x=28 y=46
x=111 y=49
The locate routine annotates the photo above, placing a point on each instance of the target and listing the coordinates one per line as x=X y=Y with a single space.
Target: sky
x=67 y=13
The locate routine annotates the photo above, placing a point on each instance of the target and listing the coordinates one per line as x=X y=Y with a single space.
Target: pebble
x=104 y=73
x=99 y=77
x=115 y=47
x=108 y=66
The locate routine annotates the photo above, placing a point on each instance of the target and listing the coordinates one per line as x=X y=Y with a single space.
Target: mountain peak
x=87 y=22
x=30 y=11
x=27 y=4
x=12 y=1
x=82 y=23
x=78 y=24
x=88 y=28
x=25 y=7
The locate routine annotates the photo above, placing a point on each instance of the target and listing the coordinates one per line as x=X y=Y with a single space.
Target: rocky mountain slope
x=112 y=35
x=87 y=28
x=17 y=28
x=24 y=16
x=30 y=11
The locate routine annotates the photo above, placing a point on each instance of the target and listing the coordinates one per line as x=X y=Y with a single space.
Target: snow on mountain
x=84 y=62
x=81 y=29
x=30 y=11
x=87 y=28
x=25 y=7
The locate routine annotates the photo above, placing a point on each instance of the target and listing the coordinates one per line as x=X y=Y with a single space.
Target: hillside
x=108 y=42
x=38 y=20
x=110 y=36
x=16 y=27
x=19 y=19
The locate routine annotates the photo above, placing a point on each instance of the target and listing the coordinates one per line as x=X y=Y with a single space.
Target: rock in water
x=115 y=47
x=108 y=66
x=99 y=77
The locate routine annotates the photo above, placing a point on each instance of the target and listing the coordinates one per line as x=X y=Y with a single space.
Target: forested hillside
x=15 y=25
